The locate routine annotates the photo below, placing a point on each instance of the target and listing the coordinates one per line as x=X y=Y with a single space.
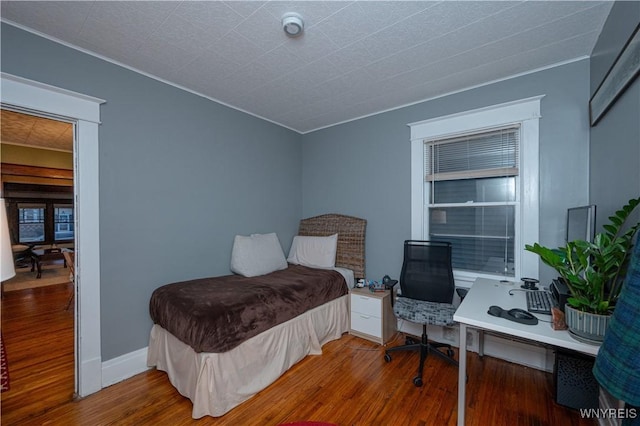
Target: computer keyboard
x=539 y=302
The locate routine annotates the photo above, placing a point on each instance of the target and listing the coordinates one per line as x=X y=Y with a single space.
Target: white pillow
x=314 y=251
x=257 y=254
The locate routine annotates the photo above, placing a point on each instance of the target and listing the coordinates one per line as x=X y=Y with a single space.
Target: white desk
x=472 y=312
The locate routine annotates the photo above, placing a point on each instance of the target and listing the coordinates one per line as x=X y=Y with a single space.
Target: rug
x=52 y=274
x=4 y=368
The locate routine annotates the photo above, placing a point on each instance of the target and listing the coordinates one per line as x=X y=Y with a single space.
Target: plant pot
x=585 y=326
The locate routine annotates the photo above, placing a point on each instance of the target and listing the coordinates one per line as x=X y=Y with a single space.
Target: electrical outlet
x=469 y=339
x=449 y=333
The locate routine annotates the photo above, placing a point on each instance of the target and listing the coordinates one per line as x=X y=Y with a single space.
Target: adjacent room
x=318 y=212
x=37 y=182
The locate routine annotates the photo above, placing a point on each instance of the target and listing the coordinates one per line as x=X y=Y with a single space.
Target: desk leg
x=462 y=374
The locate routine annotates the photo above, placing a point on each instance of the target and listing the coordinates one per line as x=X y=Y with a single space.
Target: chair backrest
x=427 y=273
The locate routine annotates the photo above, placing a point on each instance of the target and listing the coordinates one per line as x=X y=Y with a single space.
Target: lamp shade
x=617 y=366
x=7 y=269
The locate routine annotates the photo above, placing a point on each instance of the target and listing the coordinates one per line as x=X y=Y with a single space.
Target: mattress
x=217 y=314
x=217 y=382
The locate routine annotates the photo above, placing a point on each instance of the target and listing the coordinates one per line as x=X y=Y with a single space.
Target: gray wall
x=162 y=150
x=615 y=140
x=362 y=167
x=179 y=177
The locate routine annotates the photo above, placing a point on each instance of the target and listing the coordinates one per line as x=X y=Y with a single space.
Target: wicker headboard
x=351 y=237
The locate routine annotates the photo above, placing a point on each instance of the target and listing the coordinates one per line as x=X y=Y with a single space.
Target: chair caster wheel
x=387 y=357
x=450 y=353
x=409 y=341
x=417 y=381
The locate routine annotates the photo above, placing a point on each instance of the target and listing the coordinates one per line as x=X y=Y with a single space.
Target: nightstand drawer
x=367 y=324
x=371 y=315
x=366 y=305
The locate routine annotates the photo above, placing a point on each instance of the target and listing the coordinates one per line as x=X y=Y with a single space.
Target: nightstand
x=372 y=315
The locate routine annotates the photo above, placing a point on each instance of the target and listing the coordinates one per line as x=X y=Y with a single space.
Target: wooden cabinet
x=372 y=315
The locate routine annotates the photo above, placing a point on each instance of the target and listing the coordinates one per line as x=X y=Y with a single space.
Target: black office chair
x=427 y=287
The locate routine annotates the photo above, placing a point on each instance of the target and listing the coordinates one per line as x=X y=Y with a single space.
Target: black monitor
x=581 y=223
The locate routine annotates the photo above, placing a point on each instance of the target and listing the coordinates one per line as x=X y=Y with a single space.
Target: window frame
x=523 y=112
x=13 y=213
x=69 y=222
x=35 y=205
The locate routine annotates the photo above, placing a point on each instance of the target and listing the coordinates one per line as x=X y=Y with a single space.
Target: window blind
x=473 y=196
x=491 y=153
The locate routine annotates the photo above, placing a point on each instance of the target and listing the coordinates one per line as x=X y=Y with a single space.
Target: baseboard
x=128 y=365
x=609 y=404
x=91 y=377
x=123 y=367
x=516 y=351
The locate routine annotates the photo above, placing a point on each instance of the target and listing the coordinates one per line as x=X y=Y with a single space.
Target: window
x=63 y=222
x=31 y=218
x=471 y=195
x=475 y=184
x=36 y=219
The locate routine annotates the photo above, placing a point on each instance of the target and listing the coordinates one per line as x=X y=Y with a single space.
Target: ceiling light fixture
x=292 y=24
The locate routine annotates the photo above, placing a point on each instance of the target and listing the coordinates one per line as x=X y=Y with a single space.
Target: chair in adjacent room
x=21 y=255
x=70 y=259
x=427 y=287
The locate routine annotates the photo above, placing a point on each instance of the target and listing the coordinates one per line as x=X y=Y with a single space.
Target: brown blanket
x=217 y=314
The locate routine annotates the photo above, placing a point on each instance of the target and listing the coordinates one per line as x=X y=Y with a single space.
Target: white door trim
x=28 y=95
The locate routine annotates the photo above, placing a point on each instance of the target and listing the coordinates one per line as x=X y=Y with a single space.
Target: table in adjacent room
x=40 y=256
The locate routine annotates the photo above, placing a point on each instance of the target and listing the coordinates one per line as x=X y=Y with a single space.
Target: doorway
x=35 y=98
x=37 y=187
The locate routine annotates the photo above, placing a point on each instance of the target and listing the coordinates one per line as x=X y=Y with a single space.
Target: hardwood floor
x=350 y=384
x=38 y=337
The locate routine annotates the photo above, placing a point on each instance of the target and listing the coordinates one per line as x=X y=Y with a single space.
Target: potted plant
x=593 y=272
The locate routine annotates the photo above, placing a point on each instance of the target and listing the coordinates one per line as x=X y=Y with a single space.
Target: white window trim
x=526 y=112
x=31 y=96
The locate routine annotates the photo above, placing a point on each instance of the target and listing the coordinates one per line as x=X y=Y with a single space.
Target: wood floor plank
x=350 y=384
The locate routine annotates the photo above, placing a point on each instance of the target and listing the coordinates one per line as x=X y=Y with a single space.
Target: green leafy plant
x=594 y=271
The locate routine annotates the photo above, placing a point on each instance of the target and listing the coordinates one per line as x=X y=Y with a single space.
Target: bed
x=256 y=334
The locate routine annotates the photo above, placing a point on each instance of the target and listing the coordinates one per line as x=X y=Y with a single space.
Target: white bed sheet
x=218 y=382
x=347 y=274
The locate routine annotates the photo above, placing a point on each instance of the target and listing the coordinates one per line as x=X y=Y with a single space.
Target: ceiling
x=37 y=132
x=355 y=58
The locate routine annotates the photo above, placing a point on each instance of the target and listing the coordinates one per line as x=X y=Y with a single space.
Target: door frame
x=83 y=111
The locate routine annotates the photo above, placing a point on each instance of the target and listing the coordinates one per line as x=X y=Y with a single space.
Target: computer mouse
x=494 y=310
x=520 y=314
